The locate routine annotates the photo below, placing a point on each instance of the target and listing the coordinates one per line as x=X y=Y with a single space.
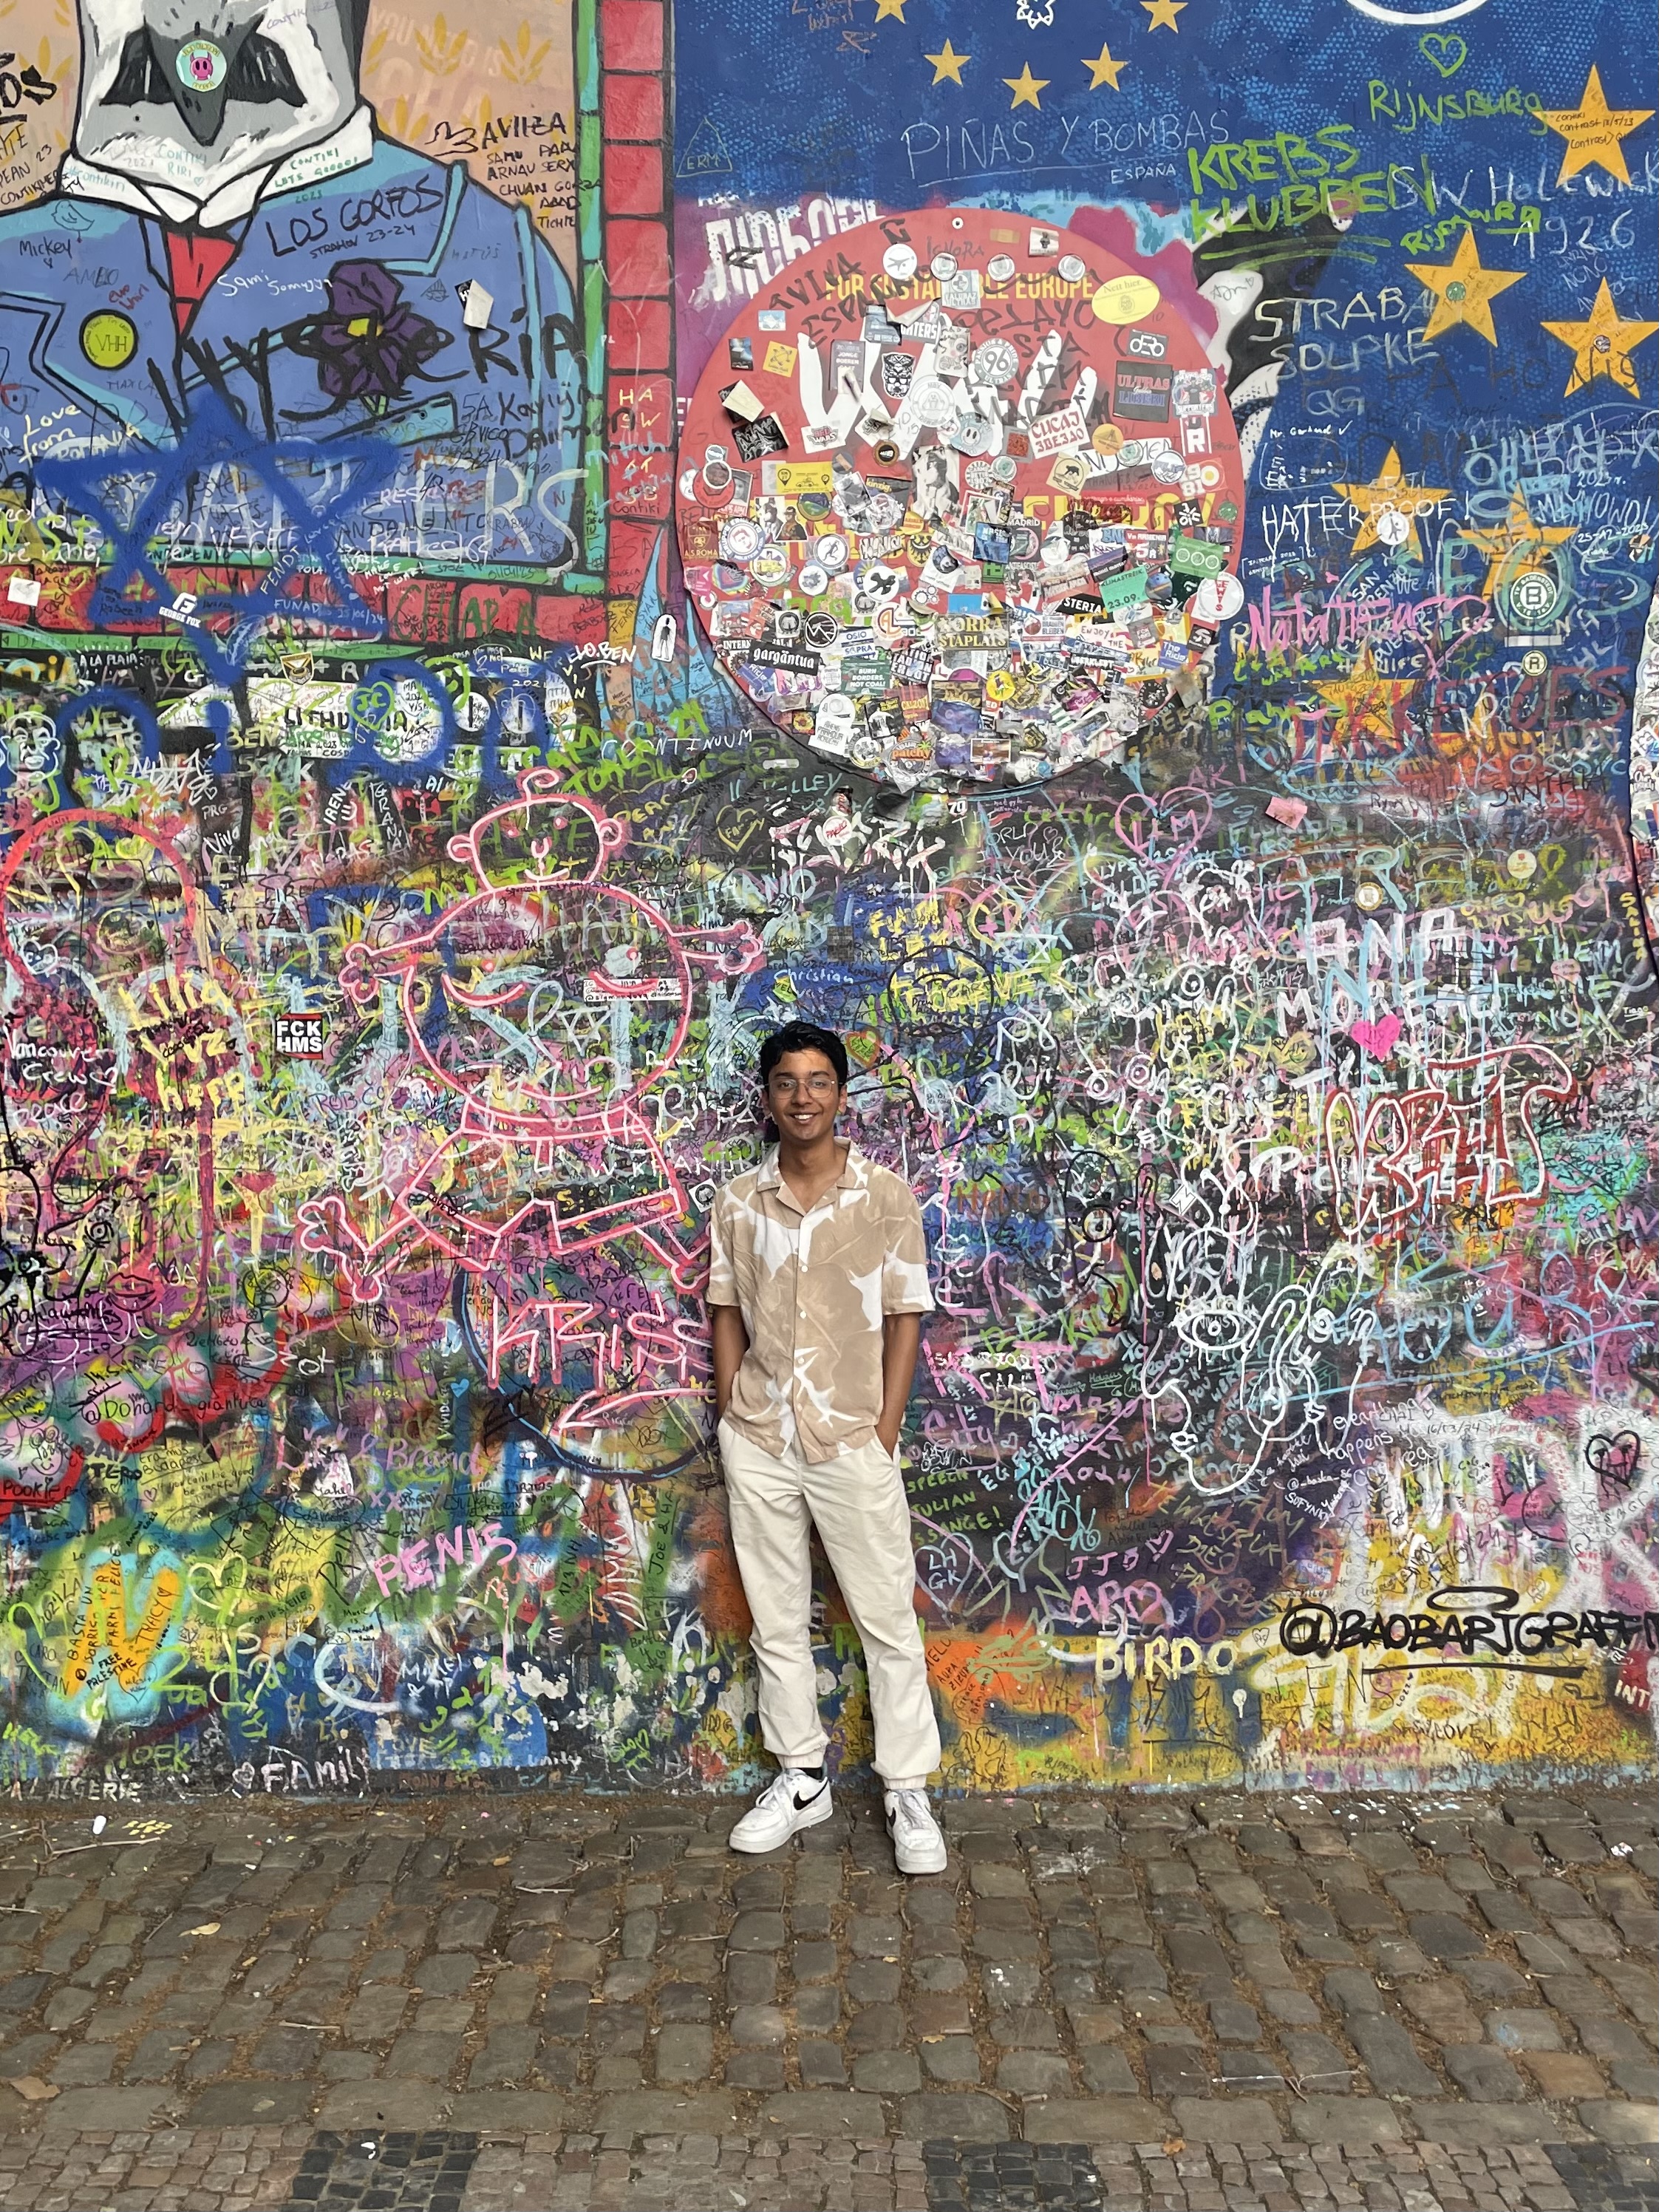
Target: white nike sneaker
x=793 y=1801
x=917 y=1844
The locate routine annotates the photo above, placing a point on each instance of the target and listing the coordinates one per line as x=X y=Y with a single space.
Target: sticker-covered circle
x=971 y=510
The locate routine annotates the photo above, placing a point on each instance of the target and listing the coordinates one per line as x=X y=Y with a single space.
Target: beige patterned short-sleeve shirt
x=812 y=1289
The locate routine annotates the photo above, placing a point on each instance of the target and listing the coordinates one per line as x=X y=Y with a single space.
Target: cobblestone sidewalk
x=1196 y=2001
x=224 y=2170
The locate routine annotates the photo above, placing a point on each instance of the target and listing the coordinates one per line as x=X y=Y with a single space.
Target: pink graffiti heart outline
x=1167 y=809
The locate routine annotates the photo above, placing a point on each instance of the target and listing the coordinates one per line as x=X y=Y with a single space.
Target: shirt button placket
x=795 y=1348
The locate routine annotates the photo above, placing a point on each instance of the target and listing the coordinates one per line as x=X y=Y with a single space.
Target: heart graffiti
x=1613 y=1460
x=1376 y=1038
x=1163 y=830
x=1443 y=51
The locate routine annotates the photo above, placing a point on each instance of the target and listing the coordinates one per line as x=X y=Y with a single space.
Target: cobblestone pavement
x=226 y=2169
x=1205 y=2001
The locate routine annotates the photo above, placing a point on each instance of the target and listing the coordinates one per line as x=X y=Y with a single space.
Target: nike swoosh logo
x=812 y=1798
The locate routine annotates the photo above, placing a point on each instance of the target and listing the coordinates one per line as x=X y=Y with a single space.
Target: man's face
x=804 y=1095
x=191 y=94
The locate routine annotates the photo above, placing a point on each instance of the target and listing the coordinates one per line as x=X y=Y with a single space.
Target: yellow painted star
x=1025 y=88
x=1390 y=494
x=1362 y=699
x=1102 y=70
x=1593 y=130
x=1463 y=290
x=1161 y=13
x=1601 y=344
x=947 y=64
x=1516 y=543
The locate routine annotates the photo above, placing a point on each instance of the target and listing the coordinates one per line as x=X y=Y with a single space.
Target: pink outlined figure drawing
x=538 y=1010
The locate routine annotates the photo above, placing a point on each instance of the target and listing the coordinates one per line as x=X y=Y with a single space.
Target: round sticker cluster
x=959 y=496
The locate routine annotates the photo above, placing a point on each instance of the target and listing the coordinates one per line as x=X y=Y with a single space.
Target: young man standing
x=816 y=1287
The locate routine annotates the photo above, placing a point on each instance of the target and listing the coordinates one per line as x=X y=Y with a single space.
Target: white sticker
x=1052 y=433
x=1217 y=599
x=741 y=402
x=900 y=263
x=475 y=307
x=24 y=591
x=999 y=268
x=1069 y=269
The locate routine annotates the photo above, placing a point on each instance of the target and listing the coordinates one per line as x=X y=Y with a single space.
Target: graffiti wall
x=533 y=549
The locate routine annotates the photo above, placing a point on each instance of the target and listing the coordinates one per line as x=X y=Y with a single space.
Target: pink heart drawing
x=1164 y=830
x=1376 y=1038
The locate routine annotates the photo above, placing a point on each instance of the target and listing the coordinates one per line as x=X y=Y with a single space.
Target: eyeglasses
x=816 y=1086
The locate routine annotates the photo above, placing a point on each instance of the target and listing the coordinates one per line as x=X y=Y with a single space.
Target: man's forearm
x=900 y=1336
x=730 y=1341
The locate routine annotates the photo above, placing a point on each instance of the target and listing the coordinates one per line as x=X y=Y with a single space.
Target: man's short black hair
x=802 y=1037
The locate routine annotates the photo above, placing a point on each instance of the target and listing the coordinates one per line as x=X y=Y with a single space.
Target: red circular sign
x=955 y=495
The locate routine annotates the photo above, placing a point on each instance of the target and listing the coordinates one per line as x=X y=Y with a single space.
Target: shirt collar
x=351 y=145
x=855 y=1170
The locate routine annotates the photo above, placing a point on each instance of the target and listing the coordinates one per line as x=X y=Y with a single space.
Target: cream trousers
x=858 y=1504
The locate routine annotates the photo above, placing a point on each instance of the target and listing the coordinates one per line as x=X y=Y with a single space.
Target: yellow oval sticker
x=1126 y=299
